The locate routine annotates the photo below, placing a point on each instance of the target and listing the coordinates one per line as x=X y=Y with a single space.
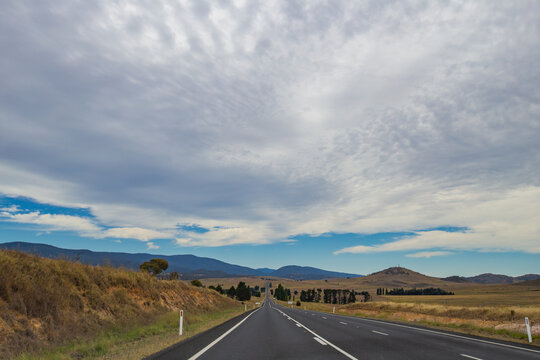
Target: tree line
x=332 y=296
x=426 y=291
x=241 y=292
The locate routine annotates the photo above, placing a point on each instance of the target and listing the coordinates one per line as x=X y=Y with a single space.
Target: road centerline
x=317 y=335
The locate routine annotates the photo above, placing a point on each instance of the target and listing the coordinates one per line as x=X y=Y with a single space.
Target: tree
x=243 y=292
x=173 y=275
x=196 y=283
x=298 y=303
x=154 y=266
x=231 y=292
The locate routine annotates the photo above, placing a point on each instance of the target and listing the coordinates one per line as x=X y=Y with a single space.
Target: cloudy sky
x=346 y=135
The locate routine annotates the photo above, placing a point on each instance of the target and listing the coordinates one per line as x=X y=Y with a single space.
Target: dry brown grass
x=45 y=302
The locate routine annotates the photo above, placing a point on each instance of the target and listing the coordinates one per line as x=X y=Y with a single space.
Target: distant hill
x=308 y=273
x=397 y=277
x=489 y=278
x=266 y=271
x=188 y=266
x=456 y=279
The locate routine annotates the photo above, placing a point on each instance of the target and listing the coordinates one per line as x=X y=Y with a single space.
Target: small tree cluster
x=282 y=293
x=241 y=292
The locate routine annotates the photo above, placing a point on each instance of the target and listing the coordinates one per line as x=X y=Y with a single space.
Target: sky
x=351 y=136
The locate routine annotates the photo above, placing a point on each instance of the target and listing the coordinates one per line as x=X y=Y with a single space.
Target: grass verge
x=137 y=342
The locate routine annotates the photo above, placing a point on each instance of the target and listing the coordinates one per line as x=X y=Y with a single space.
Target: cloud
x=136 y=233
x=151 y=246
x=510 y=222
x=84 y=226
x=428 y=254
x=276 y=119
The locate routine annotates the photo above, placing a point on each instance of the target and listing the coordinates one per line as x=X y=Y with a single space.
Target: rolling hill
x=188 y=266
x=308 y=273
x=492 y=279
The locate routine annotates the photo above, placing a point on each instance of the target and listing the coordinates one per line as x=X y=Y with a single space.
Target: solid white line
x=441 y=333
x=328 y=342
x=298 y=325
x=320 y=341
x=344 y=323
x=221 y=337
x=470 y=357
x=378 y=332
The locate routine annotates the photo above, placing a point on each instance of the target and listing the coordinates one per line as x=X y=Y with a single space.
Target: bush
x=196 y=283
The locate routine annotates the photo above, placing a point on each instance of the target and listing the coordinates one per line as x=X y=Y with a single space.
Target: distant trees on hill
x=427 y=291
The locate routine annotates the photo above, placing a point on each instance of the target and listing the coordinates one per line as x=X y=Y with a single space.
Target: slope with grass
x=45 y=303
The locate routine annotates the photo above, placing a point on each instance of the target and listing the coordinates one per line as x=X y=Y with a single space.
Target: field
x=60 y=309
x=496 y=311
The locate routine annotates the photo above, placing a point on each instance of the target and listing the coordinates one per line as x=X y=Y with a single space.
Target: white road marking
x=344 y=323
x=298 y=325
x=328 y=342
x=378 y=332
x=320 y=341
x=470 y=357
x=441 y=333
x=221 y=337
x=324 y=318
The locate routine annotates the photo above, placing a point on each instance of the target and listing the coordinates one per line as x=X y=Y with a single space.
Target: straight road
x=277 y=332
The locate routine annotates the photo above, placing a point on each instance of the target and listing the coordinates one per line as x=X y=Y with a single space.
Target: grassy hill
x=46 y=302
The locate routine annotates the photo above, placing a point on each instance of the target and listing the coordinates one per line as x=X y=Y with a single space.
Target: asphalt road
x=277 y=332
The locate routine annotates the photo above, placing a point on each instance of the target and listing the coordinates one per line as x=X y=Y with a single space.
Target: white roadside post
x=245 y=307
x=528 y=328
x=181 y=322
x=334 y=310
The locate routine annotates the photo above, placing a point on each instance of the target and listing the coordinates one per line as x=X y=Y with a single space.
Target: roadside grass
x=138 y=342
x=51 y=304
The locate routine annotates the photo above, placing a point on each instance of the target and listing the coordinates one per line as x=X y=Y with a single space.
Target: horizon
x=279 y=267
x=348 y=137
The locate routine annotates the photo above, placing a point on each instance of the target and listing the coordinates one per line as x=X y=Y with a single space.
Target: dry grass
x=46 y=302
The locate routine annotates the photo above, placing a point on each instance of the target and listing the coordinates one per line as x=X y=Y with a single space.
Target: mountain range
x=195 y=267
x=489 y=278
x=188 y=266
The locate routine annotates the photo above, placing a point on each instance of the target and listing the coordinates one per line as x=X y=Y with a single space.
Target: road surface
x=277 y=332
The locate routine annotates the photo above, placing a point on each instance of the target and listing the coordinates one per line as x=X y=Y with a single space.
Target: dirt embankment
x=45 y=302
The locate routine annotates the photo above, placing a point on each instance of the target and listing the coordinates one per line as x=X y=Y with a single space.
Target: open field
x=65 y=307
x=489 y=310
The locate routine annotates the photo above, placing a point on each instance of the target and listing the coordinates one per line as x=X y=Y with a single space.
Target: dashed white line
x=320 y=341
x=328 y=342
x=470 y=357
x=344 y=323
x=442 y=333
x=378 y=332
x=324 y=318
